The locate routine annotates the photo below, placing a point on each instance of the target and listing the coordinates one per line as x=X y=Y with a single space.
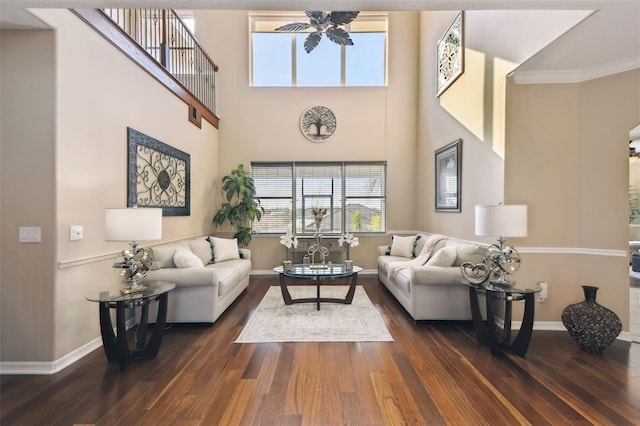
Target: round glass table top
x=334 y=270
x=516 y=287
x=114 y=294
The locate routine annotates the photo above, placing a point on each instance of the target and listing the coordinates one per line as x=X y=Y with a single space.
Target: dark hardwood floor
x=433 y=373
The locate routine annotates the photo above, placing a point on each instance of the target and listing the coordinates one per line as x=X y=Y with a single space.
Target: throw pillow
x=446 y=256
x=403 y=246
x=183 y=258
x=224 y=249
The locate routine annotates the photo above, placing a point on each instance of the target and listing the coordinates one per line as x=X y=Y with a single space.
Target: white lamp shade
x=133 y=224
x=504 y=220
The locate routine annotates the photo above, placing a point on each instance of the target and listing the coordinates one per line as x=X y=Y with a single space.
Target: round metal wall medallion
x=318 y=123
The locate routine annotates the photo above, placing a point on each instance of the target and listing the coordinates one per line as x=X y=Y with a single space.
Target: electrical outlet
x=544 y=293
x=76 y=232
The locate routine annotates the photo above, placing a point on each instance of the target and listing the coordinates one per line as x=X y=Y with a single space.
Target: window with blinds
x=353 y=194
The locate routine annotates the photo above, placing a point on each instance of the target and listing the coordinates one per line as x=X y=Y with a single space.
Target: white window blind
x=353 y=194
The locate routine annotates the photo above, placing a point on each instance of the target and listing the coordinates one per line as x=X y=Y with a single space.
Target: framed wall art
x=158 y=175
x=318 y=123
x=450 y=55
x=449 y=177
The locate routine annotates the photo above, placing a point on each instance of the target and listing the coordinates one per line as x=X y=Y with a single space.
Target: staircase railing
x=166 y=39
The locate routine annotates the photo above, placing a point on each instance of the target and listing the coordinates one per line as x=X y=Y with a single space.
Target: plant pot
x=590 y=324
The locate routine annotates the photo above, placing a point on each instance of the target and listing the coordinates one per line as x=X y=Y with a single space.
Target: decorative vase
x=590 y=324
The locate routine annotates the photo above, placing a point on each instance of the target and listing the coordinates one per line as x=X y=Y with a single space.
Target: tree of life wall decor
x=318 y=123
x=158 y=175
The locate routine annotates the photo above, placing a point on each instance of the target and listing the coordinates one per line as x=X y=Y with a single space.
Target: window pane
x=276 y=218
x=271 y=59
x=320 y=67
x=273 y=185
x=365 y=215
x=365 y=60
x=365 y=180
x=319 y=186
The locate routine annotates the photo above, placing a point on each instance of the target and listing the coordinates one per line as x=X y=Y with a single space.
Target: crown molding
x=575 y=76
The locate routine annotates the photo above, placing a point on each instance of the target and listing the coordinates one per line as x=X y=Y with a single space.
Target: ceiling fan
x=327 y=22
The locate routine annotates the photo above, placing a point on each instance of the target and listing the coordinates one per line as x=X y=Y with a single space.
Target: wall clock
x=318 y=123
x=450 y=52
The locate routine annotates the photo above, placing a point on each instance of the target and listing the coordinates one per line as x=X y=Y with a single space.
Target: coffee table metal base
x=353 y=280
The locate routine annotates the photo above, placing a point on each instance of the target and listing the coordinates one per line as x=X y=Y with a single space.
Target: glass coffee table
x=317 y=275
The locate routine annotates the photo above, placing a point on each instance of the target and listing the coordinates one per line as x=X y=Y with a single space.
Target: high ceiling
x=605 y=42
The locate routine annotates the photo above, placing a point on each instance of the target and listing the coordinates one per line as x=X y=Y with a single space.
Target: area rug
x=274 y=321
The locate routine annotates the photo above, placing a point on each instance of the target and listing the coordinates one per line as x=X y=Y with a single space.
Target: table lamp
x=133 y=224
x=503 y=220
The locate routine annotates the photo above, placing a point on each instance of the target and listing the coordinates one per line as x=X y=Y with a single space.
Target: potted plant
x=241 y=207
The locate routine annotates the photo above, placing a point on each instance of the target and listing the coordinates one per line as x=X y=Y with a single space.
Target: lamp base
x=134 y=288
x=501 y=283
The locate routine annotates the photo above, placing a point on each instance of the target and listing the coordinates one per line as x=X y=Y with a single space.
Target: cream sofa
x=204 y=288
x=430 y=292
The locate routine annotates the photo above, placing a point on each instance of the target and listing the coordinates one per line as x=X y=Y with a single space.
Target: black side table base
x=486 y=333
x=116 y=346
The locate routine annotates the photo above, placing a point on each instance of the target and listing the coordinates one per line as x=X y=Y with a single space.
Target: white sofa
x=430 y=292
x=205 y=289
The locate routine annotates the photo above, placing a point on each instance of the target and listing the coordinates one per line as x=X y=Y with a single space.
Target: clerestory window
x=279 y=59
x=353 y=193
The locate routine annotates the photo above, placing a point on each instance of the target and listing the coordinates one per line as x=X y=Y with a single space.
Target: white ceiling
x=606 y=41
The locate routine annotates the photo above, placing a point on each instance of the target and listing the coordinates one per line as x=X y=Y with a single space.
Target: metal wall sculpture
x=158 y=175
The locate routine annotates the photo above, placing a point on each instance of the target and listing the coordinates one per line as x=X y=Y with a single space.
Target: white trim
x=52 y=367
x=37 y=367
x=625 y=336
x=575 y=76
x=573 y=250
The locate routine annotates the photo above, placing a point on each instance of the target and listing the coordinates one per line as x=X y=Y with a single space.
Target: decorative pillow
x=201 y=247
x=224 y=249
x=183 y=258
x=163 y=254
x=403 y=246
x=446 y=256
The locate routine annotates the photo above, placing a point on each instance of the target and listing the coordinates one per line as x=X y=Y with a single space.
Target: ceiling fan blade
x=342 y=18
x=312 y=41
x=339 y=36
x=295 y=26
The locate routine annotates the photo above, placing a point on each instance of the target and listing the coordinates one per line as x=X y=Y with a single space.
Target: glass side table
x=498 y=299
x=115 y=344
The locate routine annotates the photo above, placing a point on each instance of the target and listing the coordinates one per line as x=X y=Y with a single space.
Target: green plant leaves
x=241 y=207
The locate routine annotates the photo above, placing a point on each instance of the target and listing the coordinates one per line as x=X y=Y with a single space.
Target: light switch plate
x=30 y=234
x=76 y=232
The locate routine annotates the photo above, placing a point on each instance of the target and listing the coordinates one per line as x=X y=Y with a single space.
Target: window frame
x=367 y=22
x=343 y=201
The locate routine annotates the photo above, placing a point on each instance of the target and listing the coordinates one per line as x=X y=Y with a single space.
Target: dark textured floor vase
x=591 y=325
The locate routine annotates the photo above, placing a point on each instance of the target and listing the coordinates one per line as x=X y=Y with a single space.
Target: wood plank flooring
x=434 y=373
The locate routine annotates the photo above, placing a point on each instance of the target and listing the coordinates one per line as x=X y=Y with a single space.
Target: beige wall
x=27 y=150
x=567 y=150
x=374 y=123
x=92 y=93
x=466 y=111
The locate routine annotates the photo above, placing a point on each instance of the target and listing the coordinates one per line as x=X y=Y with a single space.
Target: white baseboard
x=52 y=367
x=558 y=326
